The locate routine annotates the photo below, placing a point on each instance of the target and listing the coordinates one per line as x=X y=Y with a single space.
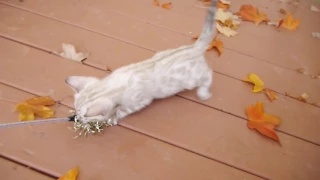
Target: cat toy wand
x=5 y=125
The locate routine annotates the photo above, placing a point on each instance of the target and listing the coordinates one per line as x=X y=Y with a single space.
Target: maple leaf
x=227 y=18
x=71 y=174
x=166 y=6
x=69 y=52
x=226 y=30
x=251 y=13
x=223 y=4
x=35 y=106
x=214 y=44
x=263 y=123
x=258 y=83
x=272 y=95
x=156 y=3
x=290 y=23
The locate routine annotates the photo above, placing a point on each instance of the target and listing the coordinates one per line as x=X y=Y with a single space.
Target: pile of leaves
x=228 y=22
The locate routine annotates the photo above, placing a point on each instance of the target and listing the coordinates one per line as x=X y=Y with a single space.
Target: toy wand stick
x=71 y=118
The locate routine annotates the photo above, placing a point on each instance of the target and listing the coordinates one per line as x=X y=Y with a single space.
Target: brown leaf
x=271 y=94
x=156 y=3
x=301 y=70
x=282 y=11
x=166 y=5
x=251 y=13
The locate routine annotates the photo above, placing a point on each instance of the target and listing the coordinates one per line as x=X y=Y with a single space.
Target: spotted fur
x=133 y=87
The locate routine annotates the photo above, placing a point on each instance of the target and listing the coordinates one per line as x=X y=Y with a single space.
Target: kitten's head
x=89 y=103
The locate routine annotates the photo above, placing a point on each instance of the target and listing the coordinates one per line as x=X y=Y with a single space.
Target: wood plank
x=225 y=64
x=218 y=135
x=13 y=171
x=274 y=45
x=119 y=153
x=291 y=111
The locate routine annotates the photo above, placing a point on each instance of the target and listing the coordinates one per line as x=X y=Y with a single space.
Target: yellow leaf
x=290 y=23
x=226 y=30
x=258 y=83
x=71 y=174
x=35 y=106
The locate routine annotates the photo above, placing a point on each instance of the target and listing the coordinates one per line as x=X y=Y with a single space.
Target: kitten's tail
x=209 y=28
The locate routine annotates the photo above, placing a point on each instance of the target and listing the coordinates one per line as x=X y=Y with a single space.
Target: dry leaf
x=314 y=8
x=71 y=174
x=289 y=23
x=69 y=52
x=227 y=18
x=301 y=70
x=263 y=123
x=282 y=11
x=271 y=94
x=303 y=97
x=258 y=83
x=215 y=44
x=316 y=35
x=166 y=6
x=35 y=106
x=223 y=4
x=226 y=30
x=251 y=13
x=156 y=3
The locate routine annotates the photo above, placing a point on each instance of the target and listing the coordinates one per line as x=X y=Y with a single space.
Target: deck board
x=119 y=153
x=277 y=50
x=294 y=113
x=208 y=137
x=13 y=171
x=177 y=134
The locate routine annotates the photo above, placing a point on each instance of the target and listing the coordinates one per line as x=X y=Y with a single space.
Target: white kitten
x=133 y=87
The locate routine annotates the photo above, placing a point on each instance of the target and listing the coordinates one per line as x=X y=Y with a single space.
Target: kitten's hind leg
x=205 y=82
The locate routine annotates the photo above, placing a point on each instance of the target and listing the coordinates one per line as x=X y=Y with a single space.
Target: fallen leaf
x=156 y=3
x=166 y=6
x=227 y=18
x=35 y=106
x=263 y=123
x=272 y=95
x=316 y=76
x=226 y=30
x=71 y=174
x=316 y=35
x=251 y=13
x=69 y=52
x=282 y=11
x=301 y=70
x=275 y=23
x=314 y=8
x=215 y=44
x=289 y=23
x=223 y=4
x=303 y=97
x=258 y=83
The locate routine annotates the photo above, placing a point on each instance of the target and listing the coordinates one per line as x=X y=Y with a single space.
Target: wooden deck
x=174 y=138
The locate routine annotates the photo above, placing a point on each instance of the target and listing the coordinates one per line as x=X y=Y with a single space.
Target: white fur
x=133 y=87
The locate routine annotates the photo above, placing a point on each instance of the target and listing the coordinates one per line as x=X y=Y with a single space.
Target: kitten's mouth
x=87 y=128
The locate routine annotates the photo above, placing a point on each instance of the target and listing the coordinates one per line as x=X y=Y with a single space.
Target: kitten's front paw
x=112 y=121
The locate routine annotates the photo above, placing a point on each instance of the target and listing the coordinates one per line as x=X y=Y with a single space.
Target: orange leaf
x=156 y=3
x=214 y=44
x=263 y=123
x=35 y=106
x=251 y=13
x=71 y=174
x=166 y=6
x=290 y=23
x=272 y=95
x=223 y=6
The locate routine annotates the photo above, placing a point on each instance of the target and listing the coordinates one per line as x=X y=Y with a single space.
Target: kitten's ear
x=77 y=83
